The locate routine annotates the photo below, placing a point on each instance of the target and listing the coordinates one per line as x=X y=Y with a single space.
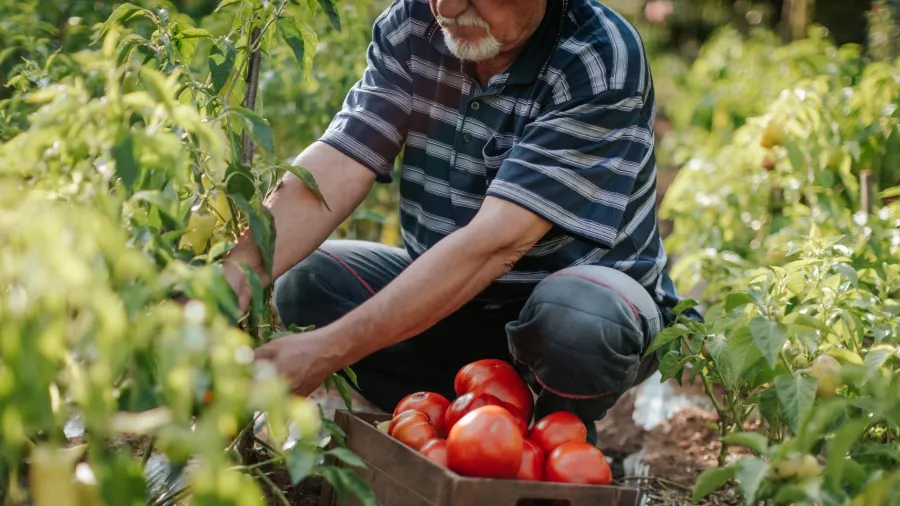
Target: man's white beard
x=485 y=48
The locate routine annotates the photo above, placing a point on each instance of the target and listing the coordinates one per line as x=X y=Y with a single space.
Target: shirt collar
x=538 y=50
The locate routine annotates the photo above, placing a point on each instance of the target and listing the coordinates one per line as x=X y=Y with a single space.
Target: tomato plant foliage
x=125 y=176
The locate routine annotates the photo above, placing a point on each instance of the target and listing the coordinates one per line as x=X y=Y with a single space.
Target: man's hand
x=306 y=360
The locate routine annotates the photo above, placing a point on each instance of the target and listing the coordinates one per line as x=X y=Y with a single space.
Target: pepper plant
x=787 y=229
x=139 y=161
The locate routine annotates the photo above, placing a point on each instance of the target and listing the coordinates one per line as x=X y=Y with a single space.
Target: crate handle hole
x=544 y=502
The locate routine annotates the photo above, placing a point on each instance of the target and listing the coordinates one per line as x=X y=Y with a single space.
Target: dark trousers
x=577 y=336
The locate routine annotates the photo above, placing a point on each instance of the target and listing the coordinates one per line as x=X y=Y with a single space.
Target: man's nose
x=451 y=8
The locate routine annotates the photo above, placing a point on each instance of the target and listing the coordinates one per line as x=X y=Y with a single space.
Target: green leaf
x=665 y=337
x=259 y=129
x=192 y=33
x=346 y=456
x=239 y=181
x=750 y=472
x=768 y=406
x=226 y=3
x=796 y=394
x=117 y=15
x=735 y=300
x=345 y=481
x=769 y=336
x=187 y=47
x=849 y=273
x=733 y=355
x=878 y=355
x=221 y=62
x=335 y=430
x=123 y=152
x=711 y=480
x=155 y=84
x=308 y=179
x=794 y=493
x=344 y=389
x=330 y=8
x=845 y=356
x=218 y=249
x=672 y=363
x=300 y=462
x=820 y=422
x=302 y=41
x=257 y=291
x=261 y=227
x=160 y=201
x=753 y=440
x=795 y=154
x=684 y=305
x=805 y=320
x=352 y=375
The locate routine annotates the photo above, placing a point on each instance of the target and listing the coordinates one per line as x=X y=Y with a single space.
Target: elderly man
x=526 y=204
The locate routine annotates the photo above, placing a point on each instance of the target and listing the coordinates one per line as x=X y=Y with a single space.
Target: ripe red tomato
x=556 y=429
x=581 y=463
x=514 y=411
x=497 y=378
x=532 y=465
x=435 y=451
x=413 y=429
x=486 y=443
x=432 y=404
x=396 y=419
x=466 y=403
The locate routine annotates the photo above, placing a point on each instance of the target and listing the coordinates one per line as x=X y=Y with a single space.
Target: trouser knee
x=316 y=291
x=580 y=338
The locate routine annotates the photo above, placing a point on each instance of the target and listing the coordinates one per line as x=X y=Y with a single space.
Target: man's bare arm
x=302 y=223
x=440 y=281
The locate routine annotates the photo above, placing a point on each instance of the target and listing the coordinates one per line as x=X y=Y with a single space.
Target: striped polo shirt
x=566 y=131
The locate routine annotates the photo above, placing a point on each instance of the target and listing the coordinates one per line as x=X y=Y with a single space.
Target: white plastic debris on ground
x=656 y=402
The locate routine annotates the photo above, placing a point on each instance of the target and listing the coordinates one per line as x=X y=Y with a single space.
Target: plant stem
x=738 y=419
x=241 y=433
x=265 y=445
x=723 y=420
x=148 y=452
x=258 y=464
x=275 y=490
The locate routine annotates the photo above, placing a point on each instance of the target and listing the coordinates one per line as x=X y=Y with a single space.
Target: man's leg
x=580 y=338
x=343 y=274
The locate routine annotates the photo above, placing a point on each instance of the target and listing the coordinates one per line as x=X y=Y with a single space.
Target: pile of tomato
x=486 y=431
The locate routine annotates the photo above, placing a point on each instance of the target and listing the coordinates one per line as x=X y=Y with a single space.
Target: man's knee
x=316 y=291
x=582 y=333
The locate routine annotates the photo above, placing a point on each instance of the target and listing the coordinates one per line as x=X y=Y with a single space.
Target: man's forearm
x=438 y=283
x=302 y=222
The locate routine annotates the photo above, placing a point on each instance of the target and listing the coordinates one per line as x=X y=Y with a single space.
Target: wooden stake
x=245 y=445
x=865 y=191
x=250 y=95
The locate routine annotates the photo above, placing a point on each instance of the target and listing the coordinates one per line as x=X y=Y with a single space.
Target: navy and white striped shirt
x=566 y=132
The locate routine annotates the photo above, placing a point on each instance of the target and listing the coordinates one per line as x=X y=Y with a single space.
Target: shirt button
x=475 y=105
x=467 y=138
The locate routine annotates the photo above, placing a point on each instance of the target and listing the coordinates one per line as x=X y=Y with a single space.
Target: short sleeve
x=577 y=163
x=372 y=123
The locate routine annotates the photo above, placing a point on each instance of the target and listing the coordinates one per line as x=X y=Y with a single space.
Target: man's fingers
x=264 y=352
